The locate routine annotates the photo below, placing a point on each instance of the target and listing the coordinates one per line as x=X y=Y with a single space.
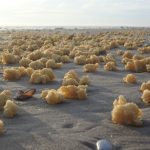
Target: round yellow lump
x=130 y=78
x=10 y=109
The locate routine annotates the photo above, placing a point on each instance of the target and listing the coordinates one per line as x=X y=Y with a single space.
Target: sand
x=76 y=125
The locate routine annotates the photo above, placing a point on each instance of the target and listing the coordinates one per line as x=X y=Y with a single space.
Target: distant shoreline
x=68 y=27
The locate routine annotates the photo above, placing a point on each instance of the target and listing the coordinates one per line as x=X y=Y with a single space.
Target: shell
x=104 y=145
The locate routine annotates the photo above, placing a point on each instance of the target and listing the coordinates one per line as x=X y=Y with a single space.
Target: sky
x=74 y=12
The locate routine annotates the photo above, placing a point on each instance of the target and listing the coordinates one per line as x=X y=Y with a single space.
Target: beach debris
x=2 y=129
x=35 y=55
x=125 y=113
x=42 y=76
x=80 y=60
x=109 y=58
x=72 y=78
x=52 y=96
x=65 y=59
x=145 y=86
x=4 y=96
x=71 y=74
x=90 y=67
x=43 y=60
x=104 y=145
x=25 y=62
x=138 y=65
x=10 y=109
x=70 y=81
x=44 y=94
x=133 y=44
x=85 y=80
x=36 y=65
x=130 y=78
x=130 y=66
x=143 y=50
x=38 y=78
x=146 y=97
x=29 y=71
x=8 y=58
x=92 y=59
x=55 y=57
x=14 y=73
x=11 y=74
x=51 y=63
x=24 y=95
x=22 y=70
x=73 y=92
x=110 y=66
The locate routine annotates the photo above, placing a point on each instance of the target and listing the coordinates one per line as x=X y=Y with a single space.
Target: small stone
x=103 y=145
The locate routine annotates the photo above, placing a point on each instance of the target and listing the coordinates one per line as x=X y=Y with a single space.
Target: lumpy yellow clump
x=130 y=66
x=23 y=71
x=70 y=81
x=121 y=100
x=36 y=65
x=25 y=62
x=110 y=66
x=42 y=76
x=80 y=60
x=71 y=74
x=35 y=55
x=92 y=59
x=11 y=74
x=43 y=60
x=146 y=97
x=38 y=78
x=126 y=113
x=8 y=58
x=130 y=78
x=52 y=96
x=4 y=96
x=90 y=67
x=29 y=71
x=145 y=86
x=73 y=92
x=44 y=93
x=48 y=72
x=145 y=49
x=65 y=59
x=10 y=109
x=85 y=80
x=51 y=63
x=138 y=65
x=72 y=78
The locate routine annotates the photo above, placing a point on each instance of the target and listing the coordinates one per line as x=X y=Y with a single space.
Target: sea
x=62 y=27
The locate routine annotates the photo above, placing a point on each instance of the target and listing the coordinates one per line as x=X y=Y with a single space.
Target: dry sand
x=76 y=125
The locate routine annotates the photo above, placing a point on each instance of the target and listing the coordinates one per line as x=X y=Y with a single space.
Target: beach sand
x=76 y=125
